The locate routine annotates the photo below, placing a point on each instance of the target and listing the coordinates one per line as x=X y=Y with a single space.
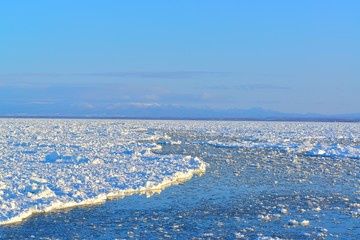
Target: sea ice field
x=147 y=179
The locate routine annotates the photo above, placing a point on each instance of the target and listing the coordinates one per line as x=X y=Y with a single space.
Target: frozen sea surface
x=263 y=180
x=52 y=164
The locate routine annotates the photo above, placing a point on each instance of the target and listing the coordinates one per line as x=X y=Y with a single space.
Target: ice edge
x=177 y=178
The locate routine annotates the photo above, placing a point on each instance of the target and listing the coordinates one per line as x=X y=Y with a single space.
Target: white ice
x=333 y=140
x=53 y=164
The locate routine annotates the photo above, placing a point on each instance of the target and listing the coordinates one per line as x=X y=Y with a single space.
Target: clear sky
x=84 y=56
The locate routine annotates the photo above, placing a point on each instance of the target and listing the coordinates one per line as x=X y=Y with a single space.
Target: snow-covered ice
x=333 y=140
x=53 y=164
x=264 y=180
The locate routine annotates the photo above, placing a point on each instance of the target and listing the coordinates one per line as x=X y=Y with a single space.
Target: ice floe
x=47 y=165
x=334 y=140
x=53 y=164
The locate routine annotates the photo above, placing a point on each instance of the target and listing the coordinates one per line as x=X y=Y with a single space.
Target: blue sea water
x=249 y=190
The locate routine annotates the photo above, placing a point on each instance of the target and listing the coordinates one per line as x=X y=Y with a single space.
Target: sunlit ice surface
x=52 y=164
x=263 y=180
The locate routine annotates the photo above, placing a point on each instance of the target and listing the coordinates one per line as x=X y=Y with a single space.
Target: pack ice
x=53 y=164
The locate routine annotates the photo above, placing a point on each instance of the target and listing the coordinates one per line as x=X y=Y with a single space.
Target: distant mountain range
x=179 y=112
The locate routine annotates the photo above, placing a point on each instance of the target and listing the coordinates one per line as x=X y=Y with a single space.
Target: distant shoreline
x=264 y=119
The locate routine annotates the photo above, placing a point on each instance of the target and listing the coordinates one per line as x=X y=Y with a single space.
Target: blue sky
x=99 y=57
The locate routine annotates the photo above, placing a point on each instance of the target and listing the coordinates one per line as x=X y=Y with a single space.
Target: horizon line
x=260 y=119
